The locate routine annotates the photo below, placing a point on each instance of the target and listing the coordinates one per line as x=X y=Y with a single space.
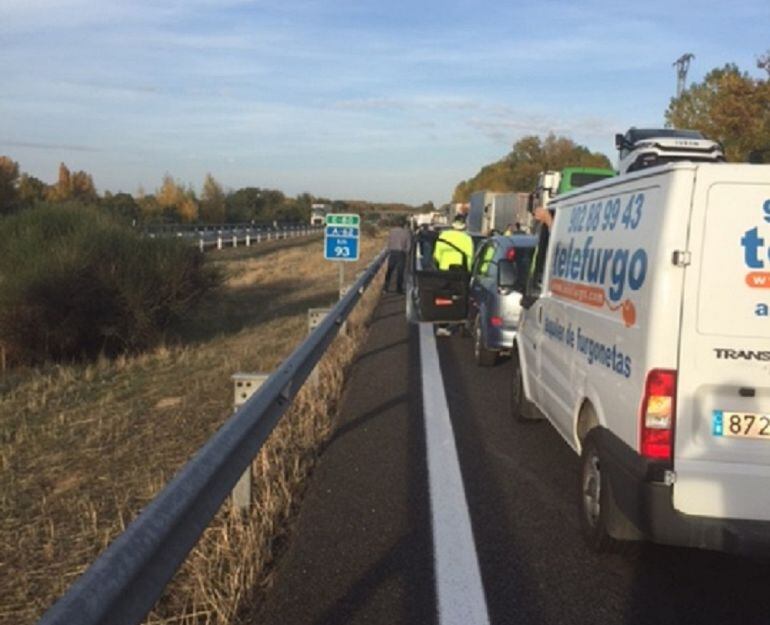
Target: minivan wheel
x=600 y=518
x=521 y=408
x=484 y=357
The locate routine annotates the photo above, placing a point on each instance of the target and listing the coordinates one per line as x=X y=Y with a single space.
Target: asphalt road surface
x=367 y=546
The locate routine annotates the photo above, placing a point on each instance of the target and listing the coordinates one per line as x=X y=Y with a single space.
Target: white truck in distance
x=496 y=211
x=645 y=342
x=318 y=214
x=434 y=218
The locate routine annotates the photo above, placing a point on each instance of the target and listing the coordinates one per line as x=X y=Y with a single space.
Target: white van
x=645 y=341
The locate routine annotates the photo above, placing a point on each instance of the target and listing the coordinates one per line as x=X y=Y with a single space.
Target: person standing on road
x=398 y=245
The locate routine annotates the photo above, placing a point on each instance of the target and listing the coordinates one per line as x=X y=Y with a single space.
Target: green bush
x=76 y=283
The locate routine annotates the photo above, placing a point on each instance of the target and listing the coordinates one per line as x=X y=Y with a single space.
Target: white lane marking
x=459 y=590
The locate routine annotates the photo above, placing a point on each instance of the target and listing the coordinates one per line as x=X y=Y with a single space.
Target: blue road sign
x=341 y=248
x=341 y=237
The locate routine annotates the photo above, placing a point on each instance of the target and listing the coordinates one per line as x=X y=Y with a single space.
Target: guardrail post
x=235 y=240
x=314 y=317
x=268 y=235
x=201 y=245
x=244 y=386
x=219 y=242
x=344 y=288
x=248 y=240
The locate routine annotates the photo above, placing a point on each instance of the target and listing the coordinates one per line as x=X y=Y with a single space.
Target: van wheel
x=600 y=519
x=484 y=357
x=521 y=408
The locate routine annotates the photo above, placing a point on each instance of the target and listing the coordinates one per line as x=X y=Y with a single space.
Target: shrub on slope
x=75 y=283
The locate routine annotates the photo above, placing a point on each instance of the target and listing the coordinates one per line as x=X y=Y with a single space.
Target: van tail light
x=442 y=301
x=658 y=415
x=496 y=322
x=510 y=254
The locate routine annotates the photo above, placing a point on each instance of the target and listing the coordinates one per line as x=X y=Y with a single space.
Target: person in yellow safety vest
x=454 y=248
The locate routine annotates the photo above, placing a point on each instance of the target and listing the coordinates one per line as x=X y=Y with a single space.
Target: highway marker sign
x=341 y=236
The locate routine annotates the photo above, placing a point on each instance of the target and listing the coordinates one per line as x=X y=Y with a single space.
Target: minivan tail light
x=657 y=415
x=510 y=254
x=496 y=322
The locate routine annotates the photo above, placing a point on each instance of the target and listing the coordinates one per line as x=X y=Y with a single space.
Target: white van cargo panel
x=734 y=286
x=722 y=442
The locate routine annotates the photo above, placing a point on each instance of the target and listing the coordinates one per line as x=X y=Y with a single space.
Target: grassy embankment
x=84 y=447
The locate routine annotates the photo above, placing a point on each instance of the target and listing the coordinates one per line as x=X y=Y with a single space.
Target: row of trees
x=731 y=107
x=171 y=202
x=530 y=155
x=23 y=191
x=728 y=106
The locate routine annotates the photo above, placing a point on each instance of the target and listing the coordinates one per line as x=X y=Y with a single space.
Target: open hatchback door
x=433 y=295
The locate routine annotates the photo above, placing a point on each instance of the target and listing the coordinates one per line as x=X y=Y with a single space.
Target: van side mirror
x=620 y=141
x=508 y=275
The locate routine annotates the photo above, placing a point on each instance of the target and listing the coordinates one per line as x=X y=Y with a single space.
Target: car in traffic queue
x=494 y=310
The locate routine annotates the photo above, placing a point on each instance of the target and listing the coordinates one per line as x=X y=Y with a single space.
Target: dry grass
x=83 y=448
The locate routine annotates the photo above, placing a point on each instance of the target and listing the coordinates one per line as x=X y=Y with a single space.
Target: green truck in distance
x=550 y=183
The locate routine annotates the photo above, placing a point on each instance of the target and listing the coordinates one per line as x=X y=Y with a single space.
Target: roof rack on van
x=640 y=148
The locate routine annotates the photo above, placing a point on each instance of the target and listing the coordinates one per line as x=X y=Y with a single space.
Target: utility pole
x=682 y=64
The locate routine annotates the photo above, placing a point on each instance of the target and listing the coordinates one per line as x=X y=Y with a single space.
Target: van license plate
x=740 y=424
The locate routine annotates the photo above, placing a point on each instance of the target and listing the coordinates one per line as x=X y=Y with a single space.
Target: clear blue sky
x=388 y=100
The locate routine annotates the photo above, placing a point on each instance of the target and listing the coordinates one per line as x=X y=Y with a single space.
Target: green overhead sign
x=336 y=219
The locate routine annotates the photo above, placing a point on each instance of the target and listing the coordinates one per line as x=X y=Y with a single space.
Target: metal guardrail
x=173 y=229
x=124 y=582
x=250 y=237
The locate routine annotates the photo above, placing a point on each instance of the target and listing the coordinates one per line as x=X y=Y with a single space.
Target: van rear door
x=432 y=295
x=722 y=439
